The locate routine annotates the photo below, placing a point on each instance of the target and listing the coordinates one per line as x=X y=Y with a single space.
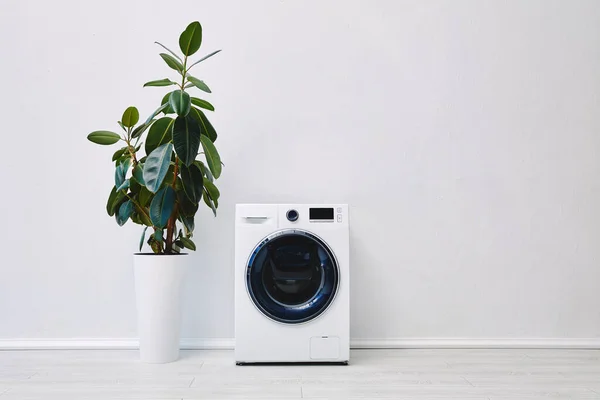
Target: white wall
x=465 y=135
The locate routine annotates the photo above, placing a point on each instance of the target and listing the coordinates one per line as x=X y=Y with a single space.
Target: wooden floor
x=397 y=374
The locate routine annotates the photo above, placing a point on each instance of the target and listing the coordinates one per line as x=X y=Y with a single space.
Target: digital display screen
x=320 y=213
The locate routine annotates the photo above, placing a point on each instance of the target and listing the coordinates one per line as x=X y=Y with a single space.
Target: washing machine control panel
x=292 y=215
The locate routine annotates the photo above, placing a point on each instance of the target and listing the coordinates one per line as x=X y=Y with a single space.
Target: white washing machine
x=292 y=286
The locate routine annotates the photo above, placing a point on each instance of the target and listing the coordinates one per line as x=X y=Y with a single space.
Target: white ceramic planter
x=158 y=291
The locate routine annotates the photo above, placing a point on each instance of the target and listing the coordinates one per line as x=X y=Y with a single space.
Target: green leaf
x=130 y=117
x=192 y=180
x=180 y=102
x=119 y=153
x=159 y=134
x=172 y=62
x=205 y=125
x=162 y=206
x=186 y=138
x=202 y=104
x=188 y=244
x=122 y=126
x=134 y=186
x=165 y=100
x=144 y=217
x=160 y=82
x=124 y=213
x=143 y=237
x=212 y=190
x=138 y=174
x=144 y=196
x=169 y=50
x=158 y=235
x=156 y=166
x=121 y=172
x=111 y=199
x=188 y=223
x=124 y=185
x=205 y=171
x=191 y=39
x=198 y=83
x=186 y=207
x=212 y=156
x=140 y=129
x=204 y=58
x=103 y=137
x=209 y=202
x=154 y=245
x=159 y=109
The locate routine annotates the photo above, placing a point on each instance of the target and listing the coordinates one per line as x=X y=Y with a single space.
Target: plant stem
x=173 y=218
x=139 y=207
x=183 y=73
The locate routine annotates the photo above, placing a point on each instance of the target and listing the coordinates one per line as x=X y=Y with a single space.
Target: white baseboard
x=391 y=343
x=108 y=344
x=476 y=343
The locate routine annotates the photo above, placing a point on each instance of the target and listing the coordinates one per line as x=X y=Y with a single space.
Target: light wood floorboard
x=393 y=374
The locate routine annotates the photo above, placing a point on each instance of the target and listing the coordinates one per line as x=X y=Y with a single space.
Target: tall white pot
x=158 y=290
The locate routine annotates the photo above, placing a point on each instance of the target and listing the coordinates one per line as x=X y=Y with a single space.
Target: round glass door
x=292 y=276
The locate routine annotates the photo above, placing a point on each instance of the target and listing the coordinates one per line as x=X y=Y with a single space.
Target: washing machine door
x=292 y=276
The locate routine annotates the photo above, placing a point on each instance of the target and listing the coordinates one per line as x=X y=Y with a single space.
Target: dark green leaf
x=134 y=185
x=122 y=126
x=111 y=199
x=159 y=134
x=130 y=117
x=165 y=100
x=162 y=206
x=138 y=174
x=125 y=211
x=212 y=190
x=186 y=207
x=103 y=137
x=124 y=185
x=191 y=39
x=205 y=171
x=209 y=202
x=156 y=166
x=154 y=245
x=135 y=218
x=144 y=217
x=172 y=62
x=202 y=104
x=188 y=243
x=204 y=58
x=160 y=82
x=140 y=129
x=212 y=156
x=198 y=83
x=205 y=126
x=144 y=196
x=143 y=237
x=158 y=235
x=178 y=243
x=119 y=153
x=192 y=180
x=121 y=172
x=188 y=223
x=186 y=138
x=180 y=102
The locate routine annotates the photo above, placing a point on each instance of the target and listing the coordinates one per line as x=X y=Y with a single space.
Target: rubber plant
x=162 y=190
